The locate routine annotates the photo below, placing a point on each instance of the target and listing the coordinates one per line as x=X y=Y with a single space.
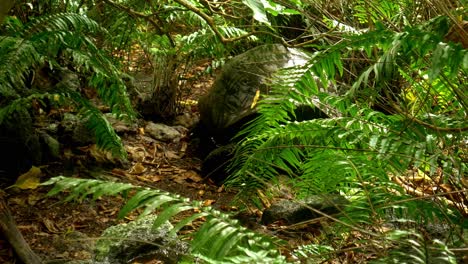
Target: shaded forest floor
x=60 y=231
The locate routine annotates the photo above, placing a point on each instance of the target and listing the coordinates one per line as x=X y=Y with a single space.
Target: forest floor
x=58 y=231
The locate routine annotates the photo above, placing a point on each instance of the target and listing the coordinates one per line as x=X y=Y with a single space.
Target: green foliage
x=357 y=150
x=411 y=247
x=390 y=55
x=62 y=40
x=220 y=239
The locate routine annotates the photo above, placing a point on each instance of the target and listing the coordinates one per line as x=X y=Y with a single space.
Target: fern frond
x=220 y=238
x=18 y=57
x=22 y=104
x=61 y=22
x=413 y=248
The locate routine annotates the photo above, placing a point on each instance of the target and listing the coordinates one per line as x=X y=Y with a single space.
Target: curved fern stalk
x=219 y=238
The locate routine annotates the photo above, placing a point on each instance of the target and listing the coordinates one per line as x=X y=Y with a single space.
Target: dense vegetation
x=391 y=75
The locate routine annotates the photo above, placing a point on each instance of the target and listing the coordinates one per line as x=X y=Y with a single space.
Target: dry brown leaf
x=120 y=172
x=30 y=179
x=100 y=155
x=137 y=169
x=180 y=180
x=150 y=178
x=17 y=201
x=184 y=146
x=50 y=226
x=33 y=199
x=171 y=155
x=192 y=175
x=137 y=153
x=208 y=202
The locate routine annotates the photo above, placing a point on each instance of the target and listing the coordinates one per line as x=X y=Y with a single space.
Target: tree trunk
x=13 y=235
x=5 y=8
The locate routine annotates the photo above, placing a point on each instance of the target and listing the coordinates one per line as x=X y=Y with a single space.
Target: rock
x=51 y=146
x=186 y=120
x=138 y=239
x=162 y=132
x=81 y=135
x=292 y=211
x=20 y=145
x=231 y=101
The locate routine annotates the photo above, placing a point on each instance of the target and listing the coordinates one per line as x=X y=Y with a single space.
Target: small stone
x=52 y=145
x=162 y=132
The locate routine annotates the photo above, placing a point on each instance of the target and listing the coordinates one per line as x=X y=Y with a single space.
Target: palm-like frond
x=220 y=238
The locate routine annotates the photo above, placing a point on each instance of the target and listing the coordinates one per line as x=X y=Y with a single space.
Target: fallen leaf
x=33 y=199
x=136 y=153
x=192 y=175
x=208 y=202
x=119 y=172
x=171 y=155
x=101 y=155
x=137 y=169
x=184 y=146
x=50 y=226
x=29 y=180
x=150 y=178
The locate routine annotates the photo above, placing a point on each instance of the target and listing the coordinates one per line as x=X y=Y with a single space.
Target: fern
x=63 y=37
x=219 y=238
x=356 y=150
x=18 y=57
x=417 y=249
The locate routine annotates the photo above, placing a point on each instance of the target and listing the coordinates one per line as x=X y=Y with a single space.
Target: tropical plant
x=173 y=36
x=56 y=42
x=394 y=88
x=420 y=82
x=220 y=239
